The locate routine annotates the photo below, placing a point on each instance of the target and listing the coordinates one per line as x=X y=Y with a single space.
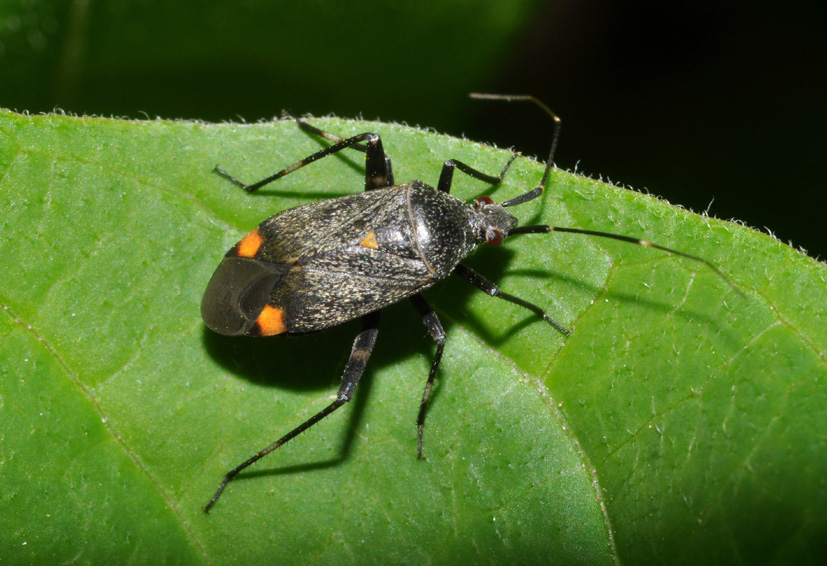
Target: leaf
x=679 y=422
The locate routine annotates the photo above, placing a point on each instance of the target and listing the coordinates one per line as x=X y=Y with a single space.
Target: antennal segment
x=545 y=229
x=546 y=109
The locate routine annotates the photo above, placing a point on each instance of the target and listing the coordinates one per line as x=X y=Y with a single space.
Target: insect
x=321 y=264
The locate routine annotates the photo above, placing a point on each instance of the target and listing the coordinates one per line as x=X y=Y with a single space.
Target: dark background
x=694 y=102
x=712 y=105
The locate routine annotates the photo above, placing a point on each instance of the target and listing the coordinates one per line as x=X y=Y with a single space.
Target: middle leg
x=431 y=321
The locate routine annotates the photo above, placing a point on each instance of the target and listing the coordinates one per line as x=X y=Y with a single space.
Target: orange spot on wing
x=249 y=244
x=271 y=321
x=370 y=241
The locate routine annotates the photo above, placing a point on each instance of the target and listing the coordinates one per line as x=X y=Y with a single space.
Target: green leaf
x=680 y=422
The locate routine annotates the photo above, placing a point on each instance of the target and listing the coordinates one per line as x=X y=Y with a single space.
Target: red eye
x=493 y=237
x=484 y=200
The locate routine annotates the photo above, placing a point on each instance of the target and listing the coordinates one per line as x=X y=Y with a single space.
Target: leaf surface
x=679 y=422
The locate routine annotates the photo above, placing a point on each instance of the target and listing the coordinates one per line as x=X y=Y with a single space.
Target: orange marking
x=370 y=241
x=271 y=321
x=249 y=244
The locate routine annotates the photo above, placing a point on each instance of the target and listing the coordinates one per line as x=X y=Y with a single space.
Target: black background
x=713 y=105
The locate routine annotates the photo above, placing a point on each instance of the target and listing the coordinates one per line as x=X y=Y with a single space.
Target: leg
x=321 y=133
x=490 y=288
x=374 y=179
x=378 y=172
x=447 y=175
x=359 y=355
x=433 y=325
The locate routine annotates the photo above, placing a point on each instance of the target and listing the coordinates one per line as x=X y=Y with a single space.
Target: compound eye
x=493 y=237
x=484 y=200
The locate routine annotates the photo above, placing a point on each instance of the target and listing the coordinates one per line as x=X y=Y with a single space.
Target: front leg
x=491 y=289
x=446 y=177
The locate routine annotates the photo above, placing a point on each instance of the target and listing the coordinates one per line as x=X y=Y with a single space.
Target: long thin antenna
x=544 y=229
x=532 y=194
x=527 y=97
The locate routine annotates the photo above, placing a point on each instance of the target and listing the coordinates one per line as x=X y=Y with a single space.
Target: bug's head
x=493 y=222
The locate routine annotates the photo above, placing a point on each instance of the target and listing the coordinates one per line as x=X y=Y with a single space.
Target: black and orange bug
x=319 y=265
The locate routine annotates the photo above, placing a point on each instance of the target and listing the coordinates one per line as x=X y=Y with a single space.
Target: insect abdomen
x=238 y=295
